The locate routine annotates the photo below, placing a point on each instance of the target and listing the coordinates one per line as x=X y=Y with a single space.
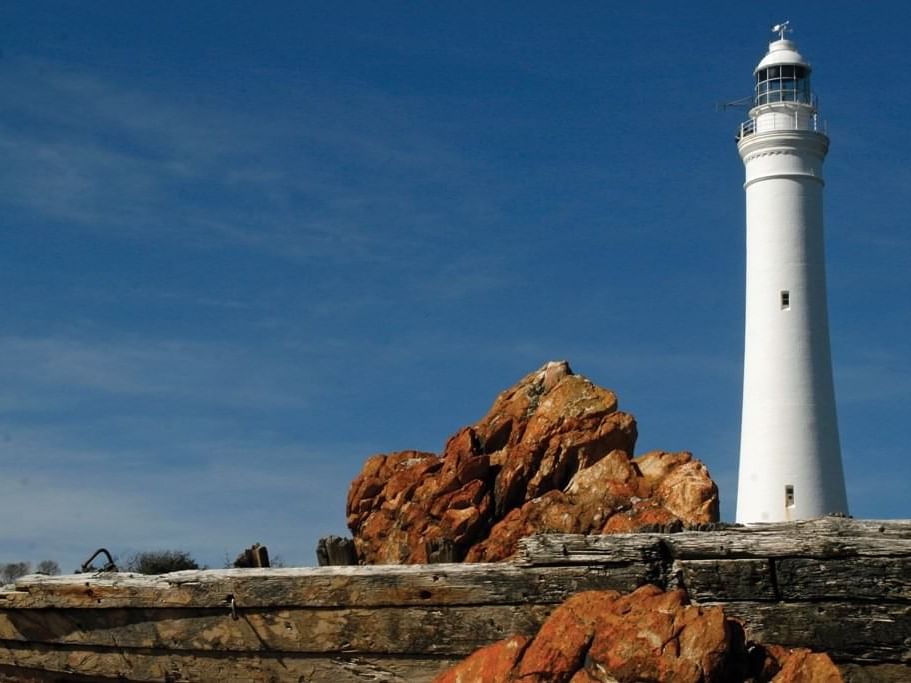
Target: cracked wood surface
x=41 y=663
x=832 y=584
x=368 y=586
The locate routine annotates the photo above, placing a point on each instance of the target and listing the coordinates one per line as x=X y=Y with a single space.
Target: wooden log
x=545 y=550
x=866 y=578
x=389 y=630
x=849 y=631
x=723 y=580
x=108 y=666
x=827 y=526
x=357 y=586
x=771 y=544
x=825 y=538
x=796 y=579
x=255 y=556
x=833 y=584
x=441 y=551
x=80 y=664
x=335 y=551
x=875 y=673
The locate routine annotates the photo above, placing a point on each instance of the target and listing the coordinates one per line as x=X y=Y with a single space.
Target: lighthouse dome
x=782 y=52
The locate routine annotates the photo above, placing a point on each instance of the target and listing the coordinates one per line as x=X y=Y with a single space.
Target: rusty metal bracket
x=109 y=566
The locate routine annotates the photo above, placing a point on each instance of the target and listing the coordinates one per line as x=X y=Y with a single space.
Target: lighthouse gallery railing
x=782 y=122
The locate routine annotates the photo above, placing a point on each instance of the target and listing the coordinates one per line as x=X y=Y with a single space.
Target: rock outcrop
x=553 y=454
x=647 y=635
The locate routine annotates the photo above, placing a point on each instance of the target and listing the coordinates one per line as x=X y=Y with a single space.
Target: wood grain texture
x=100 y=664
x=849 y=631
x=388 y=630
x=373 y=586
x=822 y=538
x=857 y=578
x=545 y=550
x=838 y=585
x=723 y=580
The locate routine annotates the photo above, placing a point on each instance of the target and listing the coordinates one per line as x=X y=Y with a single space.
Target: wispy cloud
x=352 y=175
x=219 y=373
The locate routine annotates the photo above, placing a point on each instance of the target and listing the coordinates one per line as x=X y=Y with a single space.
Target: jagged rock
x=489 y=664
x=552 y=454
x=800 y=665
x=647 y=635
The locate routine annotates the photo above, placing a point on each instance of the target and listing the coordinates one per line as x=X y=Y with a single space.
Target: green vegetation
x=160 y=562
x=11 y=571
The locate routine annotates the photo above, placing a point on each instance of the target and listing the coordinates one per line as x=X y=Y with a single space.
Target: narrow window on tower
x=789 y=495
x=785 y=300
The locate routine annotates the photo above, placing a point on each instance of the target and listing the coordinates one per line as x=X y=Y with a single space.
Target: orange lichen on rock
x=553 y=454
x=647 y=635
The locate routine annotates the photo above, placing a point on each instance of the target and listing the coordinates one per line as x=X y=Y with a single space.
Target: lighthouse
x=790 y=456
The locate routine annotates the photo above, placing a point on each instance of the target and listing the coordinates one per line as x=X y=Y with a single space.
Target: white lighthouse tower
x=790 y=457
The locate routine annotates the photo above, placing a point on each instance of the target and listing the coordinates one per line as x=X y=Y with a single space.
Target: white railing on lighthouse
x=778 y=121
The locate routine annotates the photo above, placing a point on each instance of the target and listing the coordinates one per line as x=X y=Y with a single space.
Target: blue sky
x=244 y=248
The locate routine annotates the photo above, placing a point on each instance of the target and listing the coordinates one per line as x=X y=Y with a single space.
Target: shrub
x=160 y=562
x=13 y=570
x=48 y=567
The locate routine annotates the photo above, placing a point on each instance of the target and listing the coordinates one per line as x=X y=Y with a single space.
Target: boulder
x=553 y=454
x=647 y=635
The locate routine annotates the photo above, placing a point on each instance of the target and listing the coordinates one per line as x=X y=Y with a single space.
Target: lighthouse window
x=785 y=300
x=789 y=495
x=785 y=83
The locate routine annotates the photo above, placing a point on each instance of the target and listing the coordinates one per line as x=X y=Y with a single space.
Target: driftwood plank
x=18 y=674
x=375 y=586
x=768 y=544
x=838 y=585
x=816 y=539
x=846 y=630
x=149 y=665
x=866 y=578
x=838 y=526
x=875 y=673
x=575 y=549
x=718 y=580
x=390 y=630
x=830 y=526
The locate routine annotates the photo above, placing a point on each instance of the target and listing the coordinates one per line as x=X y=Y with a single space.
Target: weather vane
x=782 y=28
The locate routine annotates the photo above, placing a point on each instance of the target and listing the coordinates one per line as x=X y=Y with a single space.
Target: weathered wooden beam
x=831 y=525
x=796 y=579
x=822 y=538
x=373 y=586
x=389 y=630
x=859 y=578
x=852 y=631
x=837 y=585
x=21 y=674
x=110 y=666
x=545 y=550
x=335 y=551
x=722 y=580
x=855 y=672
x=770 y=544
x=256 y=555
x=85 y=664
